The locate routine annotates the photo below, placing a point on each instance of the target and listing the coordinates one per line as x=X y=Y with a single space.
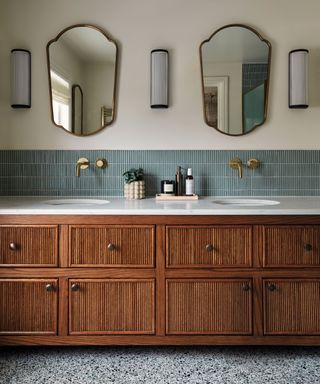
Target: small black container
x=167 y=187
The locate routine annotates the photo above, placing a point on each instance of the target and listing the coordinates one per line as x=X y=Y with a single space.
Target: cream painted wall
x=140 y=26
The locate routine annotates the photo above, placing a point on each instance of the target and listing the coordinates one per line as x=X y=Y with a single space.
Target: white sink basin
x=77 y=202
x=246 y=202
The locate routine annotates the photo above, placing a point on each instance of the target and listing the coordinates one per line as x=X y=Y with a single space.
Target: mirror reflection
x=235 y=68
x=82 y=62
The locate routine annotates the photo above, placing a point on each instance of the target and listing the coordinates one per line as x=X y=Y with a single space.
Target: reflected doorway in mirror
x=216 y=95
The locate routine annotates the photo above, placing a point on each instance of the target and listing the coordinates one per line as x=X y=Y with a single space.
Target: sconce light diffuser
x=159 y=78
x=20 y=78
x=298 y=78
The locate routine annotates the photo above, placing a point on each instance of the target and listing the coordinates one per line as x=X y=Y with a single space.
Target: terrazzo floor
x=169 y=365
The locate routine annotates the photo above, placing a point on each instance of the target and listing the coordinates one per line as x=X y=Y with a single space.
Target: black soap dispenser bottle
x=179 y=182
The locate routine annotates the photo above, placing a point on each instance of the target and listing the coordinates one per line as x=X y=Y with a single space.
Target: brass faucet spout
x=82 y=163
x=236 y=164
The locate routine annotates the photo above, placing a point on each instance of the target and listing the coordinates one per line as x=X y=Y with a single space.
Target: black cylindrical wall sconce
x=298 y=78
x=20 y=78
x=159 y=92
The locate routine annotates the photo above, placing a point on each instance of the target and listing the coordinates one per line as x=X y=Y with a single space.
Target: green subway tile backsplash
x=52 y=173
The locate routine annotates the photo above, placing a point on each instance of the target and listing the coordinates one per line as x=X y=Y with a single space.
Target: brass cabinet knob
x=13 y=246
x=50 y=287
x=307 y=247
x=245 y=287
x=111 y=247
x=209 y=247
x=75 y=287
x=271 y=287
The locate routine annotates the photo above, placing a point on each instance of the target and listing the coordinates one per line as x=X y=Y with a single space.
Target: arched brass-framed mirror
x=235 y=71
x=82 y=68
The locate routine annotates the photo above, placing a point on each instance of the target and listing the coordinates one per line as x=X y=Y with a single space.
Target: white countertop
x=149 y=206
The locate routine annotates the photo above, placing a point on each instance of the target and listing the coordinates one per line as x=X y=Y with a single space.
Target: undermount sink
x=246 y=202
x=77 y=202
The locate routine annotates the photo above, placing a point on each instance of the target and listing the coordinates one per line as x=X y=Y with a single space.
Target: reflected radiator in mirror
x=298 y=78
x=159 y=78
x=20 y=78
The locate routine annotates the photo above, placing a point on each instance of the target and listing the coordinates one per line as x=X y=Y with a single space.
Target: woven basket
x=135 y=190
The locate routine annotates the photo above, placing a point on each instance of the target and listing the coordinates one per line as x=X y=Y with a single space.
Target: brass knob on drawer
x=75 y=287
x=307 y=247
x=245 y=287
x=50 y=287
x=111 y=247
x=209 y=247
x=13 y=246
x=271 y=287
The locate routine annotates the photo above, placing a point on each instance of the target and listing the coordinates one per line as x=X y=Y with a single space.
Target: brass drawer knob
x=245 y=287
x=50 y=287
x=75 y=287
x=209 y=247
x=111 y=247
x=307 y=247
x=271 y=287
x=13 y=246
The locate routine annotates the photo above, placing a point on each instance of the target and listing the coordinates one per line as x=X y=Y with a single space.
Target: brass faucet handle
x=101 y=163
x=253 y=163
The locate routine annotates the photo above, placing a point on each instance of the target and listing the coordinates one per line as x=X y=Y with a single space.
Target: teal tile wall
x=52 y=173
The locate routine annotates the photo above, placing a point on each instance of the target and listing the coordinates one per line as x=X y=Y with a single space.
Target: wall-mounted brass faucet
x=82 y=163
x=236 y=164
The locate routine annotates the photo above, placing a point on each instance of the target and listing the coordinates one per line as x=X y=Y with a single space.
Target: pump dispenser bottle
x=189 y=183
x=179 y=182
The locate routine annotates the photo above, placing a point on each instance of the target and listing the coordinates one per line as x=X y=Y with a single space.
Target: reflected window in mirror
x=82 y=67
x=235 y=69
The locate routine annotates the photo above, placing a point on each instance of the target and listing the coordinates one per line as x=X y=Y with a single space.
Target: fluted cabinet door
x=28 y=306
x=209 y=306
x=209 y=246
x=291 y=307
x=112 y=246
x=111 y=306
x=29 y=246
x=293 y=246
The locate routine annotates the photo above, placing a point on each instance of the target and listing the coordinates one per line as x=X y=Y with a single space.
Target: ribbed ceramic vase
x=135 y=190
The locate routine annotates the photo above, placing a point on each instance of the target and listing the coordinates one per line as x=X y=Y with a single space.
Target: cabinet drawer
x=111 y=306
x=29 y=246
x=28 y=306
x=291 y=306
x=112 y=246
x=294 y=246
x=210 y=246
x=209 y=306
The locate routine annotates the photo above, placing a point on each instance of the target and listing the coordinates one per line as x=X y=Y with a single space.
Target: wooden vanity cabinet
x=111 y=306
x=28 y=306
x=209 y=306
x=291 y=306
x=159 y=280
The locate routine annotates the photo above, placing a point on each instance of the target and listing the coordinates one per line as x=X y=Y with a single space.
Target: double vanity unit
x=207 y=272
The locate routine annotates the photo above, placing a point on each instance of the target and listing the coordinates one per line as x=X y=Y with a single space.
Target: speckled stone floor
x=169 y=365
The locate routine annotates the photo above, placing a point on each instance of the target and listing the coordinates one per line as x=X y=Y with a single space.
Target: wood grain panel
x=288 y=246
x=133 y=246
x=209 y=306
x=35 y=246
x=293 y=307
x=26 y=307
x=186 y=246
x=112 y=307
